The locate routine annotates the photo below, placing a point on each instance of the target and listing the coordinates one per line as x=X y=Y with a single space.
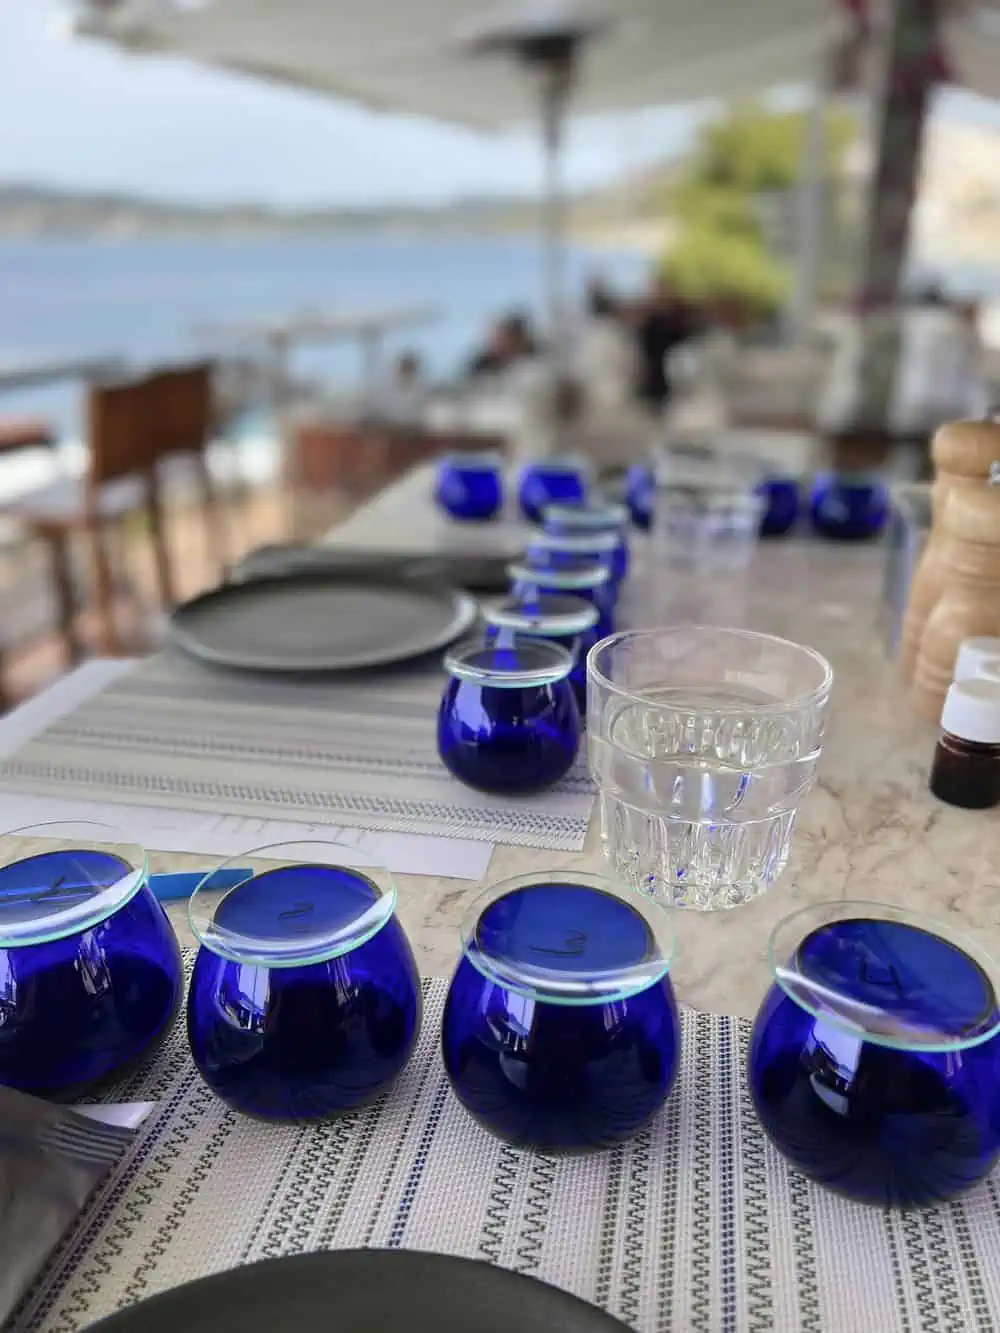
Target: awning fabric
x=406 y=55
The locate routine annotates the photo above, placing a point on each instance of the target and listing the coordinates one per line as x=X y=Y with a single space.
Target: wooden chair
x=181 y=420
x=119 y=481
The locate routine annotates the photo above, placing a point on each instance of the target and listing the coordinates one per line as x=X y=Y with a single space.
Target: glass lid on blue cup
x=591 y=516
x=583 y=544
x=513 y=664
x=887 y=976
x=64 y=877
x=298 y=903
x=571 y=575
x=568 y=937
x=549 y=613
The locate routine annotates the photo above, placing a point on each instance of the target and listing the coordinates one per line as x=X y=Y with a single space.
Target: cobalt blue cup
x=560 y=1030
x=551 y=481
x=589 y=579
x=469 y=486
x=583 y=520
x=848 y=507
x=640 y=492
x=781 y=499
x=548 y=551
x=875 y=1058
x=90 y=970
x=508 y=720
x=305 y=1000
x=570 y=622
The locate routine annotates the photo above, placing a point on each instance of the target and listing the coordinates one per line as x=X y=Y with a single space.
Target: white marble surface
x=869 y=830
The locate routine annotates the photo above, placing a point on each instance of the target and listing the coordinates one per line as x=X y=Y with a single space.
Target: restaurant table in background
x=870 y=829
x=695 y=1223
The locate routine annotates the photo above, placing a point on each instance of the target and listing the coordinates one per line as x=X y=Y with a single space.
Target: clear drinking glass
x=703 y=742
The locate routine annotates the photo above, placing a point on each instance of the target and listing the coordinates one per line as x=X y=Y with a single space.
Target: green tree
x=721 y=250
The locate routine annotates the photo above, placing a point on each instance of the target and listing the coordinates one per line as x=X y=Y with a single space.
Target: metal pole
x=555 y=84
x=811 y=210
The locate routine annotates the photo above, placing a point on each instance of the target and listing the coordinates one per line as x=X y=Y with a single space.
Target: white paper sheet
x=213 y=835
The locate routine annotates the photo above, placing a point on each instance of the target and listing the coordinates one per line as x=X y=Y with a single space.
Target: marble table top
x=869 y=830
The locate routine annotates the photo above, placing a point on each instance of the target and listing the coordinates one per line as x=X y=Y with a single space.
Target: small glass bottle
x=966 y=767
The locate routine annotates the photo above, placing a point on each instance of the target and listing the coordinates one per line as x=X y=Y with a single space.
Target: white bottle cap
x=989 y=670
x=971 y=653
x=972 y=711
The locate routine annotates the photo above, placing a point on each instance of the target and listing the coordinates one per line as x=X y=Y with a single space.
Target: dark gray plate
x=311 y=621
x=363 y=1291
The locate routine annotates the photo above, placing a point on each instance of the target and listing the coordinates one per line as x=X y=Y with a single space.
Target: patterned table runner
x=696 y=1226
x=360 y=752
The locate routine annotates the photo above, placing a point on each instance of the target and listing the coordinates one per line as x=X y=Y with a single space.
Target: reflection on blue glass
x=597 y=519
x=548 y=1075
x=311 y=1041
x=570 y=622
x=640 y=494
x=578 y=577
x=469 y=486
x=504 y=726
x=848 y=508
x=550 y=551
x=550 y=481
x=78 y=1011
x=781 y=495
x=885 y=1125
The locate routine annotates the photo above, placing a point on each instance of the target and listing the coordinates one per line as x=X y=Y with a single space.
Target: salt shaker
x=966 y=767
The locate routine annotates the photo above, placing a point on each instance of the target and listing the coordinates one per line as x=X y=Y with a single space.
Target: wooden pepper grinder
x=962 y=452
x=969 y=604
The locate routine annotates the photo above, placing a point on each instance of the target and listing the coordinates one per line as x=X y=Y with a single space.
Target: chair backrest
x=182 y=409
x=118 y=430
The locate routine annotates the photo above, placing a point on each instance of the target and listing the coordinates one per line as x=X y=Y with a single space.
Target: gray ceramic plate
x=307 y=622
x=364 y=1291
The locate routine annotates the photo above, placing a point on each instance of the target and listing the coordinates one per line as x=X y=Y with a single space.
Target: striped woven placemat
x=696 y=1226
x=358 y=752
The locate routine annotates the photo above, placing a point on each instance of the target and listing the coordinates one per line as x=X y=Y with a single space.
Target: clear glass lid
x=887 y=976
x=297 y=903
x=568 y=937
x=593 y=516
x=576 y=543
x=550 y=613
x=471 y=461
x=64 y=877
x=580 y=575
x=516 y=663
x=558 y=466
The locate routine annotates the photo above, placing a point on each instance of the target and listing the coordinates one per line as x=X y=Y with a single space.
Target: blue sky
x=76 y=114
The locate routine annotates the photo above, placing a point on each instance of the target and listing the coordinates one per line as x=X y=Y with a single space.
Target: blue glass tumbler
x=509 y=720
x=848 y=506
x=569 y=621
x=781 y=505
x=875 y=1057
x=557 y=551
x=560 y=1029
x=551 y=481
x=90 y=970
x=596 y=516
x=589 y=579
x=305 y=1000
x=469 y=486
x=640 y=495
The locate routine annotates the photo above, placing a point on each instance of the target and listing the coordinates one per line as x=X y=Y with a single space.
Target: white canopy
x=405 y=55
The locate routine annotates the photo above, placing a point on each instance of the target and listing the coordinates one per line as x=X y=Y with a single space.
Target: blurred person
x=666 y=321
x=511 y=340
x=405 y=396
x=606 y=359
